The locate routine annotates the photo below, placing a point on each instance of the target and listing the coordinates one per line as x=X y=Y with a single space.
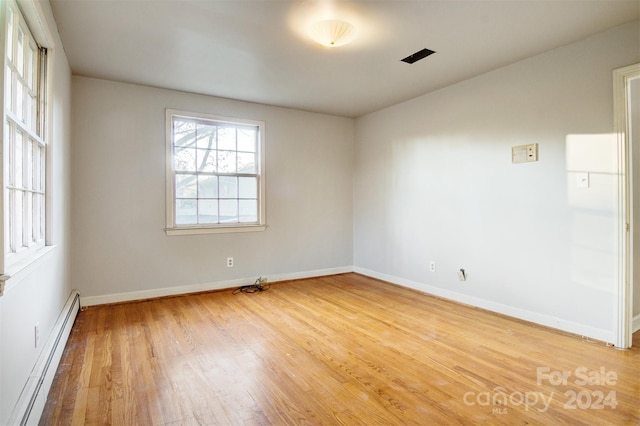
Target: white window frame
x=20 y=248
x=172 y=228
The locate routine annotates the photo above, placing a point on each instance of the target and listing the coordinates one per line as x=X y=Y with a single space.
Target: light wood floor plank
x=344 y=349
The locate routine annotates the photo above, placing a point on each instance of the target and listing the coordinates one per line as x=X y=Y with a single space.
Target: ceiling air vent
x=415 y=57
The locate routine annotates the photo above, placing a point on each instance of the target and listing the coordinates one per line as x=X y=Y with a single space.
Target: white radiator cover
x=33 y=397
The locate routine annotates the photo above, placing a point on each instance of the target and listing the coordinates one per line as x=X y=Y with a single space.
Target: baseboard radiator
x=34 y=395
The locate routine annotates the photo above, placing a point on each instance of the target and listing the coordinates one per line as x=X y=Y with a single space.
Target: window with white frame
x=24 y=145
x=215 y=179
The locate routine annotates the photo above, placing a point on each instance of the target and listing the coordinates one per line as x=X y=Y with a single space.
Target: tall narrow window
x=23 y=142
x=215 y=181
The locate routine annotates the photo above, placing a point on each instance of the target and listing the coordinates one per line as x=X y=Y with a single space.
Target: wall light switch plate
x=524 y=153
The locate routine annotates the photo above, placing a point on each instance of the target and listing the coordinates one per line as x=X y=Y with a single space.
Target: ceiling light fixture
x=333 y=32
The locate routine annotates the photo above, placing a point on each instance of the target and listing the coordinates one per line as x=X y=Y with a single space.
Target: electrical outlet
x=36 y=334
x=262 y=280
x=462 y=275
x=229 y=262
x=432 y=266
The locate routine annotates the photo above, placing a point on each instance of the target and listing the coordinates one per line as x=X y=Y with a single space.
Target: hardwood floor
x=344 y=349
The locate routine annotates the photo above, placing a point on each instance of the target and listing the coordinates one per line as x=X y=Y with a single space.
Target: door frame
x=624 y=291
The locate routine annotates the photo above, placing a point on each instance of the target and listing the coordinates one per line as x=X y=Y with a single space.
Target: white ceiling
x=259 y=51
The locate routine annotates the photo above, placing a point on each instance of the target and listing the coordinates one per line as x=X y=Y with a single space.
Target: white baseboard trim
x=195 y=288
x=635 y=325
x=33 y=397
x=535 y=317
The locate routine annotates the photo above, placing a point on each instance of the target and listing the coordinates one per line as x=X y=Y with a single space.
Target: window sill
x=17 y=271
x=217 y=230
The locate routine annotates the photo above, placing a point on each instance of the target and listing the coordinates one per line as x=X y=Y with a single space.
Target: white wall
x=39 y=293
x=434 y=181
x=119 y=245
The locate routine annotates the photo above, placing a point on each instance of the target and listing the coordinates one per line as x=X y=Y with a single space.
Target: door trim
x=624 y=313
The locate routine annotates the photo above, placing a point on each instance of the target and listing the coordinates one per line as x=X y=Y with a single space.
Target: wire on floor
x=259 y=285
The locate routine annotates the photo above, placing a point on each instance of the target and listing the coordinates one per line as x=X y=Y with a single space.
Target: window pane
x=226 y=162
x=206 y=136
x=247 y=139
x=227 y=138
x=248 y=211
x=36 y=217
x=42 y=215
x=207 y=186
x=28 y=68
x=36 y=167
x=18 y=160
x=186 y=212
x=34 y=115
x=28 y=117
x=10 y=35
x=19 y=111
x=185 y=160
x=31 y=62
x=228 y=211
x=248 y=187
x=246 y=162
x=10 y=144
x=208 y=211
x=28 y=184
x=41 y=161
x=18 y=212
x=207 y=160
x=8 y=89
x=184 y=133
x=20 y=52
x=28 y=214
x=11 y=221
x=228 y=187
x=186 y=186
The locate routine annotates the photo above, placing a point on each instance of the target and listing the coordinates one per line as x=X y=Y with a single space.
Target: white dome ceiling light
x=333 y=32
